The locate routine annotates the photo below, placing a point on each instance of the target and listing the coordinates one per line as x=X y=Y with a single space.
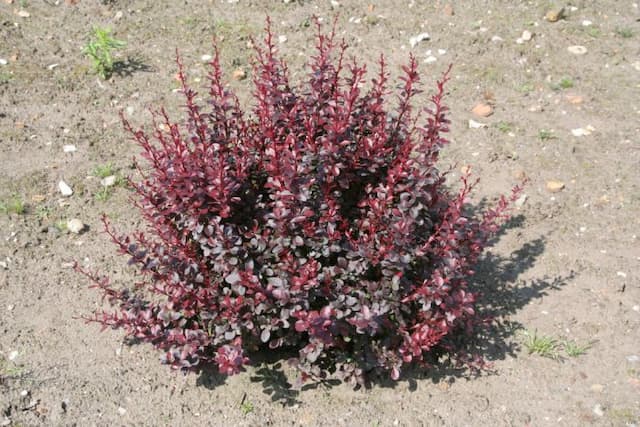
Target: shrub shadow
x=130 y=66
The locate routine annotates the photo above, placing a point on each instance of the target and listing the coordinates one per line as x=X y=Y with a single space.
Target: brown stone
x=482 y=110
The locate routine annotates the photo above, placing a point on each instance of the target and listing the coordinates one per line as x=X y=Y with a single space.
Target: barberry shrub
x=319 y=223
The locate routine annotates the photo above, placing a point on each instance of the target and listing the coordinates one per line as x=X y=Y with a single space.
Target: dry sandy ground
x=566 y=268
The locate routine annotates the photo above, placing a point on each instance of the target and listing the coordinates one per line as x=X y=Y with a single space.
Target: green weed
x=14 y=205
x=61 y=225
x=525 y=87
x=103 y=194
x=625 y=33
x=246 y=407
x=573 y=349
x=43 y=212
x=564 y=83
x=103 y=171
x=542 y=345
x=99 y=49
x=504 y=127
x=545 y=135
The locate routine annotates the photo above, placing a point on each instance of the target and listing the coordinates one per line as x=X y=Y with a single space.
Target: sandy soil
x=565 y=268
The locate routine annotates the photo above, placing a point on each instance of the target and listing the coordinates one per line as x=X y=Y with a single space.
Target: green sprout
x=246 y=407
x=625 y=33
x=573 y=349
x=103 y=171
x=99 y=50
x=542 y=345
x=14 y=205
x=504 y=127
x=545 y=135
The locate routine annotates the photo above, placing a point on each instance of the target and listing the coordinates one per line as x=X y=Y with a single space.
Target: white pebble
x=206 y=58
x=497 y=39
x=75 y=226
x=65 y=189
x=636 y=308
x=122 y=411
x=621 y=274
x=69 y=148
x=13 y=355
x=598 y=410
x=476 y=125
x=633 y=358
x=282 y=39
x=577 y=50
x=521 y=200
x=413 y=41
x=3 y=61
x=118 y=15
x=430 y=59
x=586 y=23
x=52 y=66
x=442 y=51
x=130 y=110
x=108 y=181
x=526 y=35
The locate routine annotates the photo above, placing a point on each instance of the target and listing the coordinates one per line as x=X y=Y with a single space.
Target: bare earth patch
x=559 y=95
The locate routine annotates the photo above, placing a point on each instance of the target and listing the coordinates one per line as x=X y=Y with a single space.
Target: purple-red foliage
x=318 y=223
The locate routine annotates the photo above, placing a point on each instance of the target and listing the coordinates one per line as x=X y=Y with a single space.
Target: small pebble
x=65 y=189
x=583 y=131
x=14 y=354
x=442 y=51
x=577 y=50
x=586 y=23
x=108 y=181
x=554 y=186
x=413 y=41
x=633 y=358
x=75 y=226
x=636 y=308
x=23 y=14
x=621 y=274
x=69 y=148
x=3 y=61
x=476 y=125
x=520 y=201
x=118 y=15
x=206 y=58
x=497 y=39
x=555 y=15
x=482 y=110
x=239 y=74
x=527 y=35
x=598 y=410
x=575 y=99
x=598 y=388
x=122 y=411
x=282 y=39
x=430 y=59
